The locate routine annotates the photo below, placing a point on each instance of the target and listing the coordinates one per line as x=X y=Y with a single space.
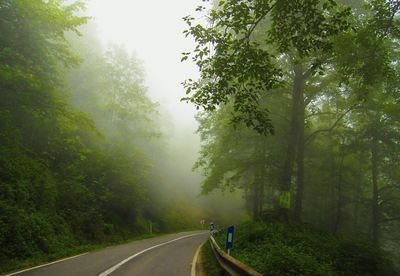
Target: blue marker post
x=229 y=238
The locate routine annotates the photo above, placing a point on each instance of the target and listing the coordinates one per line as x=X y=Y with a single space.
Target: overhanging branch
x=331 y=127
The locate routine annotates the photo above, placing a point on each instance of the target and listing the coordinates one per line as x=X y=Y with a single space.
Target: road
x=164 y=255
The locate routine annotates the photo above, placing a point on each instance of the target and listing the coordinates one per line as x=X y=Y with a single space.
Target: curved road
x=164 y=255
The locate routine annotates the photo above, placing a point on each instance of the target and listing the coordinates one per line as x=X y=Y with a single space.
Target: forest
x=301 y=112
x=84 y=155
x=298 y=119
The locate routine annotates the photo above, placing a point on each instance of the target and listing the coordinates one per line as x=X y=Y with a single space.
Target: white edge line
x=115 y=267
x=39 y=266
x=194 y=262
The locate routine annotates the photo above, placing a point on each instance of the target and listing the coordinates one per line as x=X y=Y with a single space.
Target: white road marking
x=115 y=267
x=194 y=262
x=39 y=266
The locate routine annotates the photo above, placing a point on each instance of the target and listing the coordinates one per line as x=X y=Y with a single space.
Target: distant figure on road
x=212 y=228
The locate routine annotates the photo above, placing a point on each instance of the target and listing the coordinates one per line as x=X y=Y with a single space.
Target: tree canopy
x=322 y=77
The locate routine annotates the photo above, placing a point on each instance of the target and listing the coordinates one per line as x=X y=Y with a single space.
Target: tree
x=40 y=132
x=339 y=114
x=235 y=66
x=240 y=58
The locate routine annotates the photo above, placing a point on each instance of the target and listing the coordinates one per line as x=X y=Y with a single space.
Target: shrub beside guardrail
x=230 y=264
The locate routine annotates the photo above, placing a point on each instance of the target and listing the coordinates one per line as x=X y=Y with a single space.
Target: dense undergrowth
x=83 y=161
x=277 y=248
x=209 y=263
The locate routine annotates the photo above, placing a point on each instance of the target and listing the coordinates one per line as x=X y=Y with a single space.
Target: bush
x=362 y=258
x=294 y=248
x=209 y=264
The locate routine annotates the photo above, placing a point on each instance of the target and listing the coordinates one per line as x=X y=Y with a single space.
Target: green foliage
x=237 y=66
x=335 y=115
x=277 y=248
x=75 y=124
x=208 y=262
x=39 y=138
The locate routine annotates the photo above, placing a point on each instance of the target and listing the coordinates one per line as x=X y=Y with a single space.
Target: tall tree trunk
x=287 y=172
x=338 y=216
x=298 y=204
x=261 y=196
x=375 y=203
x=263 y=162
x=256 y=197
x=356 y=210
x=248 y=195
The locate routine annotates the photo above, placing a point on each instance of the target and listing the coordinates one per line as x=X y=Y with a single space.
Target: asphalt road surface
x=169 y=255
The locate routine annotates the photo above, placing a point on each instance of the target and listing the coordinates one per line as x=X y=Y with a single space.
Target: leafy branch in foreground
x=238 y=51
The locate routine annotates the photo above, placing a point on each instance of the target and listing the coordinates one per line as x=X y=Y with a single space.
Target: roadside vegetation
x=208 y=262
x=301 y=113
x=83 y=159
x=293 y=248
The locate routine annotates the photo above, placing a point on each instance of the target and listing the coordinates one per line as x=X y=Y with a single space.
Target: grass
x=278 y=248
x=210 y=265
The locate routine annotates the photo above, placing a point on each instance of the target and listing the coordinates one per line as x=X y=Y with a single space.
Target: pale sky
x=152 y=29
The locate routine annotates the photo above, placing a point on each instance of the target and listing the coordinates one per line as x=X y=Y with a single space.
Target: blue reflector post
x=229 y=237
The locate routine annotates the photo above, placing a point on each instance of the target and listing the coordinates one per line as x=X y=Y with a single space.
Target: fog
x=298 y=145
x=153 y=32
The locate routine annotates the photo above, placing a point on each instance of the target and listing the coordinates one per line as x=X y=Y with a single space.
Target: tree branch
x=389 y=219
x=310 y=70
x=389 y=187
x=331 y=127
x=388 y=200
x=263 y=15
x=320 y=113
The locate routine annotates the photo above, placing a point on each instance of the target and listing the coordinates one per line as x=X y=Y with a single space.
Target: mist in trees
x=300 y=103
x=86 y=156
x=298 y=121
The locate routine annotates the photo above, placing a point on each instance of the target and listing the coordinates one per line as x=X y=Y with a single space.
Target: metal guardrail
x=230 y=264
